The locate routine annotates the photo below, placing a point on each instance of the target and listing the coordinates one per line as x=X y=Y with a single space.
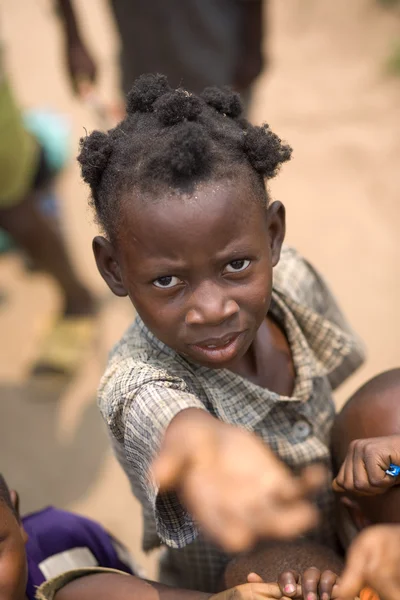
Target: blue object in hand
x=393 y=470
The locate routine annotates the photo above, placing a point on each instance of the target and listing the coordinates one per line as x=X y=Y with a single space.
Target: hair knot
x=177 y=106
x=190 y=151
x=94 y=155
x=224 y=101
x=265 y=150
x=146 y=90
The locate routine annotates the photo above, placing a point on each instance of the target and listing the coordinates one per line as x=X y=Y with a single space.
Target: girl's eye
x=169 y=281
x=237 y=265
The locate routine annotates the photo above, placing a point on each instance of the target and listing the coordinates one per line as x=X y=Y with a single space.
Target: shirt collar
x=318 y=346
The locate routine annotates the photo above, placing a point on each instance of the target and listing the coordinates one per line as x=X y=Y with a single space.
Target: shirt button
x=301 y=429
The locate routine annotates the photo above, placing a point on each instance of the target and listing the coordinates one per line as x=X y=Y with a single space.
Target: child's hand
x=312 y=584
x=232 y=483
x=82 y=69
x=373 y=560
x=252 y=591
x=363 y=471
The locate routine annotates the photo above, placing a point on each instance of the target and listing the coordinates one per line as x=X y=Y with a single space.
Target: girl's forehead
x=208 y=201
x=214 y=214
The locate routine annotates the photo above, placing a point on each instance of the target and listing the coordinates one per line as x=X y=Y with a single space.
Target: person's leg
x=20 y=214
x=33 y=232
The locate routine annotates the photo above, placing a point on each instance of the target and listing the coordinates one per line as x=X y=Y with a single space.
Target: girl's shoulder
x=296 y=278
x=137 y=361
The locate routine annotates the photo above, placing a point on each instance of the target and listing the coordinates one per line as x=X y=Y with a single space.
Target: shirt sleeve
x=147 y=412
x=323 y=302
x=299 y=280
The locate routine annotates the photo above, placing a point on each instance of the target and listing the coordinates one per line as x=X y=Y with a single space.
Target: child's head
x=373 y=411
x=13 y=568
x=274 y=558
x=178 y=187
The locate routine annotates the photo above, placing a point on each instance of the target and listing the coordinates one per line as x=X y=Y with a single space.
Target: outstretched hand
x=232 y=483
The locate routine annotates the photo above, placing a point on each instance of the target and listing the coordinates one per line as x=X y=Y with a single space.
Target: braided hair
x=177 y=140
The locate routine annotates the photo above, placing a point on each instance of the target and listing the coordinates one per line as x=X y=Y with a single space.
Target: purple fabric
x=52 y=531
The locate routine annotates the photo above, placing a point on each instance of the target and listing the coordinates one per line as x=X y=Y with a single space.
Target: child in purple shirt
x=47 y=543
x=51 y=543
x=59 y=541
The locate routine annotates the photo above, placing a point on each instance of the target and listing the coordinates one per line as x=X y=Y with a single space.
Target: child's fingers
x=336 y=486
x=376 y=464
x=338 y=482
x=352 y=579
x=265 y=591
x=368 y=475
x=289 y=521
x=223 y=524
x=360 y=476
x=310 y=480
x=349 y=469
x=254 y=578
x=288 y=581
x=251 y=591
x=364 y=468
x=326 y=584
x=309 y=583
x=344 y=479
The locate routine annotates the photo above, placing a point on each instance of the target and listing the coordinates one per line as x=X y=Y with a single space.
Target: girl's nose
x=209 y=305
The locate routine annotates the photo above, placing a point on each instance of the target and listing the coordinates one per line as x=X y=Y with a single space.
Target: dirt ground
x=326 y=92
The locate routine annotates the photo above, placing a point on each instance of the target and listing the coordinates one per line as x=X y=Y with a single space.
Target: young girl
x=219 y=349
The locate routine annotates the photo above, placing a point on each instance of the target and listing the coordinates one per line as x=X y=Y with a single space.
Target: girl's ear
x=15 y=501
x=277 y=229
x=108 y=266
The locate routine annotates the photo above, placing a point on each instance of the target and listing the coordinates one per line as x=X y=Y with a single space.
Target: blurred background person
x=25 y=171
x=195 y=43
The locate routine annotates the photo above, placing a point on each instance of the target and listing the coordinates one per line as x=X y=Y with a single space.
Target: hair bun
x=145 y=91
x=224 y=100
x=265 y=150
x=177 y=106
x=94 y=155
x=190 y=151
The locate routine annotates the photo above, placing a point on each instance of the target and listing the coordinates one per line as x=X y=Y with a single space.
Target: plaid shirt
x=146 y=384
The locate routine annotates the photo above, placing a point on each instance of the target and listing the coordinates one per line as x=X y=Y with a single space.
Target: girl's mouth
x=219 y=350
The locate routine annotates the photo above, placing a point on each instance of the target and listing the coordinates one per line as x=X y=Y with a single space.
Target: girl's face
x=13 y=568
x=198 y=268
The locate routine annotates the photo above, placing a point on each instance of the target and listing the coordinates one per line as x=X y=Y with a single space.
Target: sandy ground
x=327 y=94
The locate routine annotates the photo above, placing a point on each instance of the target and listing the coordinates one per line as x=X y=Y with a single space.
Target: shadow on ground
x=43 y=466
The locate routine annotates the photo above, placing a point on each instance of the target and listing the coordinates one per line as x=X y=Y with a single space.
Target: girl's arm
x=110 y=586
x=232 y=483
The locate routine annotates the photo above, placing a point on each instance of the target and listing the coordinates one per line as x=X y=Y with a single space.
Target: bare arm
x=68 y=17
x=112 y=586
x=250 y=55
x=81 y=66
x=121 y=587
